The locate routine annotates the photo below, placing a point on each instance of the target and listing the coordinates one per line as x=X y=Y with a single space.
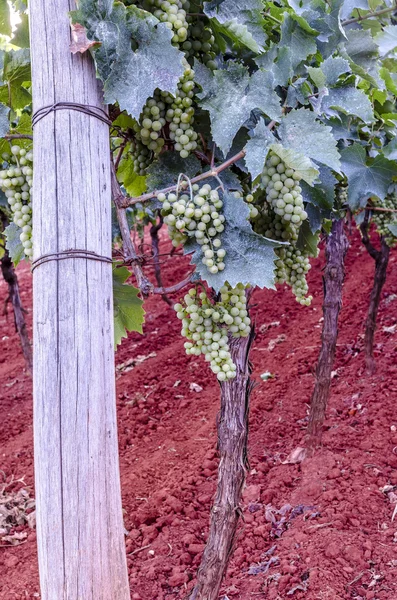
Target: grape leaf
x=5 y=21
x=322 y=193
x=4 y=123
x=387 y=39
x=366 y=178
x=13 y=243
x=349 y=5
x=297 y=161
x=307 y=240
x=230 y=95
x=390 y=151
x=333 y=68
x=349 y=100
x=361 y=52
x=127 y=306
x=298 y=41
x=16 y=72
x=392 y=227
x=257 y=148
x=133 y=183
x=300 y=130
x=249 y=256
x=21 y=35
x=241 y=20
x=154 y=63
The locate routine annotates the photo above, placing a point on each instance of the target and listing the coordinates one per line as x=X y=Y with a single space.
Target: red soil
x=336 y=540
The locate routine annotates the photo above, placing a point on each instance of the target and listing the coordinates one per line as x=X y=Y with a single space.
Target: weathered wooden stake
x=79 y=516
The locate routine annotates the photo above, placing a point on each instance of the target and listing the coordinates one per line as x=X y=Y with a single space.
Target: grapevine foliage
x=297 y=97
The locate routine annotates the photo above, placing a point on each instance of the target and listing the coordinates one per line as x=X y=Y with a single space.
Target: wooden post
x=79 y=515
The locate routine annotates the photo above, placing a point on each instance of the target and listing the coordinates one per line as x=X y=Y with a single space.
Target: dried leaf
x=80 y=42
x=297 y=456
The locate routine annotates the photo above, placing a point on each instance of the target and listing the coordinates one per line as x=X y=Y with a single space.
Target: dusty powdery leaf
x=333 y=68
x=300 y=130
x=242 y=21
x=135 y=55
x=80 y=42
x=249 y=257
x=128 y=311
x=231 y=94
x=349 y=100
x=257 y=148
x=299 y=42
x=13 y=243
x=349 y=5
x=387 y=39
x=366 y=177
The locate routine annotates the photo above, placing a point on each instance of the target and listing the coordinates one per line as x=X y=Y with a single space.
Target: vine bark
x=381 y=258
x=334 y=274
x=233 y=464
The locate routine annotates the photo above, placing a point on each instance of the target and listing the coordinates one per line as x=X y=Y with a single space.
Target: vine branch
x=372 y=251
x=368 y=16
x=18 y=136
x=125 y=202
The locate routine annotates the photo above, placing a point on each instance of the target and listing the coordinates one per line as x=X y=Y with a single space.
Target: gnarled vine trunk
x=334 y=274
x=80 y=532
x=381 y=258
x=232 y=445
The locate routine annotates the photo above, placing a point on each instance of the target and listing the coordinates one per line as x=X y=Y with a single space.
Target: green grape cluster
x=16 y=182
x=180 y=115
x=292 y=264
x=342 y=195
x=141 y=156
x=198 y=217
x=283 y=190
x=170 y=12
x=206 y=325
x=151 y=122
x=201 y=44
x=383 y=219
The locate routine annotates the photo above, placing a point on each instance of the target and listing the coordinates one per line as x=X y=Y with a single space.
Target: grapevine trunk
x=336 y=248
x=381 y=263
x=232 y=445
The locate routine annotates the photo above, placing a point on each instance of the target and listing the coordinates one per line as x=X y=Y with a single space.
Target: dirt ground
x=320 y=530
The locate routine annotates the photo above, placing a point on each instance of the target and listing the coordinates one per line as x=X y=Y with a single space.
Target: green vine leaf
x=13 y=243
x=127 y=306
x=298 y=42
x=21 y=36
x=366 y=177
x=230 y=95
x=362 y=53
x=301 y=131
x=307 y=239
x=387 y=39
x=249 y=256
x=16 y=77
x=132 y=42
x=349 y=100
x=5 y=18
x=257 y=148
x=239 y=20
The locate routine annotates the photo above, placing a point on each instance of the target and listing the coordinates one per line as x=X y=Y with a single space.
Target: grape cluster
x=201 y=44
x=198 y=217
x=180 y=115
x=342 y=195
x=16 y=182
x=383 y=219
x=292 y=264
x=141 y=156
x=207 y=325
x=283 y=190
x=165 y=108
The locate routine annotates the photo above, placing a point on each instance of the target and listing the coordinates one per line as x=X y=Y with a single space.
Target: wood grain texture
x=79 y=515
